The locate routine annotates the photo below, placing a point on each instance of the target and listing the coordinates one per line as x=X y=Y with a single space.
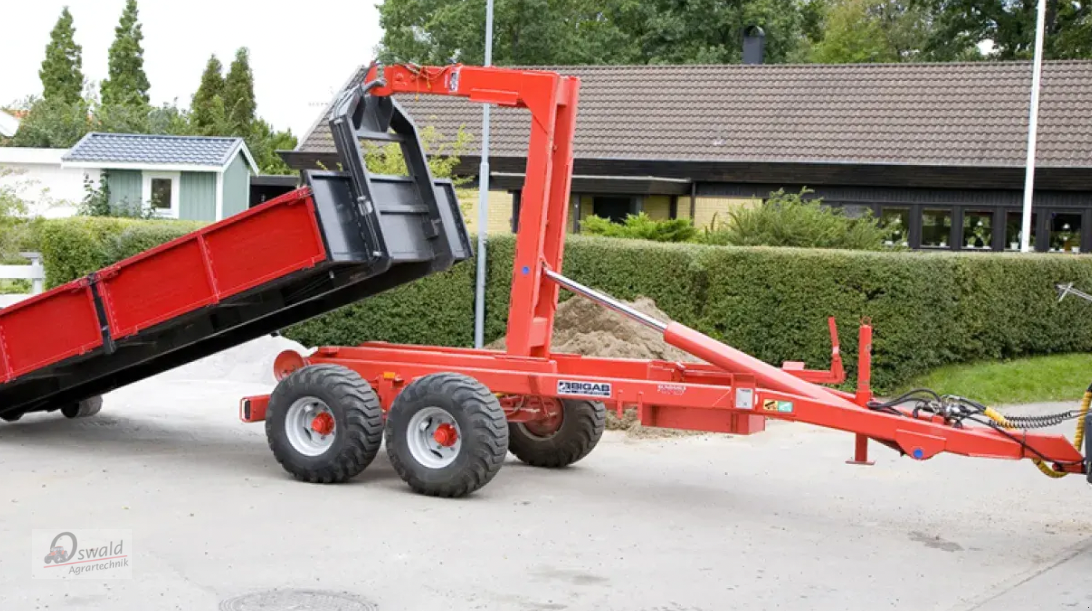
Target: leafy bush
x=789 y=219
x=641 y=227
x=96 y=201
x=443 y=156
x=18 y=233
x=77 y=246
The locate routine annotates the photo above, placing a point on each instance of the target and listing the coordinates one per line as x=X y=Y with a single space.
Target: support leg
x=860 y=453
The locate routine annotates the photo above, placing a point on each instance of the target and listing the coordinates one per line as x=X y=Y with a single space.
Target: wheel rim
x=310 y=426
x=433 y=437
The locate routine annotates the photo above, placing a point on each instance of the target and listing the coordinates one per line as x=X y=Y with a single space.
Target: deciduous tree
x=542 y=32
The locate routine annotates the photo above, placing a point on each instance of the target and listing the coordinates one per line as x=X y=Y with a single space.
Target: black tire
x=358 y=423
x=11 y=416
x=483 y=434
x=581 y=429
x=83 y=409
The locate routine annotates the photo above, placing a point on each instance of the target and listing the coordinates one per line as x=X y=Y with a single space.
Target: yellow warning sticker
x=772 y=405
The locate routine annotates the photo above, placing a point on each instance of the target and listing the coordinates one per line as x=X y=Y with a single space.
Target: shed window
x=161 y=193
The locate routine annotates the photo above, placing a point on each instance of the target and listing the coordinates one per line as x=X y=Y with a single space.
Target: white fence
x=33 y=272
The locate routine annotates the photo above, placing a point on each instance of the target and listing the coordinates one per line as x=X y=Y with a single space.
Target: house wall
x=657 y=207
x=236 y=186
x=707 y=209
x=197 y=196
x=126 y=187
x=37 y=177
x=587 y=206
x=500 y=210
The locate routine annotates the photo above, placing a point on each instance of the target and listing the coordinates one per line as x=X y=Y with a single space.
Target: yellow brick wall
x=587 y=206
x=500 y=210
x=708 y=208
x=682 y=208
x=658 y=207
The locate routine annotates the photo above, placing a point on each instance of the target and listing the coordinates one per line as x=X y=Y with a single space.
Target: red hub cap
x=323 y=424
x=445 y=435
x=551 y=418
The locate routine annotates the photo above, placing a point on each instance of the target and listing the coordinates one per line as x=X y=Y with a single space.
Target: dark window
x=1014 y=222
x=613 y=208
x=897 y=223
x=1065 y=231
x=936 y=228
x=977 y=231
x=161 y=193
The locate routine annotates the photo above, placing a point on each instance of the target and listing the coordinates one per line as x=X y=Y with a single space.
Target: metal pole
x=483 y=195
x=1033 y=129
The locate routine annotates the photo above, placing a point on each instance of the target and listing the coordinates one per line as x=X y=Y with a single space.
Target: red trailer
x=342 y=237
x=450 y=415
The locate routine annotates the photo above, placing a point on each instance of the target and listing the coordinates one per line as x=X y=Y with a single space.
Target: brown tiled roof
x=963 y=114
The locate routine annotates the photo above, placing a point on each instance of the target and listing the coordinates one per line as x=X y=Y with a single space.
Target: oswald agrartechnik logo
x=101 y=554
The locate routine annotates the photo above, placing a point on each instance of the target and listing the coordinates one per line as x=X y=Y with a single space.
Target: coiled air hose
x=1016 y=422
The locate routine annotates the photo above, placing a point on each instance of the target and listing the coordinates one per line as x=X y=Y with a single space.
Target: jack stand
x=860 y=453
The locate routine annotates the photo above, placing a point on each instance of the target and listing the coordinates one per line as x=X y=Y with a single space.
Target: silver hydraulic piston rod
x=606 y=301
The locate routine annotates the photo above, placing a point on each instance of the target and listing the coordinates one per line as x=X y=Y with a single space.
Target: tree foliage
x=240 y=107
x=960 y=25
x=207 y=106
x=15 y=228
x=542 y=32
x=264 y=142
x=52 y=123
x=220 y=107
x=567 y=32
x=62 y=69
x=57 y=124
x=443 y=154
x=127 y=84
x=853 y=35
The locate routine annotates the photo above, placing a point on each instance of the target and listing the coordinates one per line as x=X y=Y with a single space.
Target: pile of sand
x=587 y=328
x=584 y=327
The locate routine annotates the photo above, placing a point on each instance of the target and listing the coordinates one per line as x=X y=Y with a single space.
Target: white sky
x=300 y=52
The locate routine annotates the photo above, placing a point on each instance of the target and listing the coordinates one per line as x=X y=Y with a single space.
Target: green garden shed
x=197 y=178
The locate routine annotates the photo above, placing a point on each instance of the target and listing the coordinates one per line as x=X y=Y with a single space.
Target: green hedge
x=927 y=309
x=77 y=246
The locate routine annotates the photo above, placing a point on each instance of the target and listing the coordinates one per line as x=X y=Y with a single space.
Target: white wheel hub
x=310 y=426
x=433 y=437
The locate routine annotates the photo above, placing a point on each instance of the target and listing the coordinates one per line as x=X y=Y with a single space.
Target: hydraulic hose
x=1078 y=437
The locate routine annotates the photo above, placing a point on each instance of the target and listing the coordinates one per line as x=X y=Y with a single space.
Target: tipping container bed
x=340 y=238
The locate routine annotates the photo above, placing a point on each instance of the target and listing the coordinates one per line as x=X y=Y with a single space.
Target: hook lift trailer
x=449 y=416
